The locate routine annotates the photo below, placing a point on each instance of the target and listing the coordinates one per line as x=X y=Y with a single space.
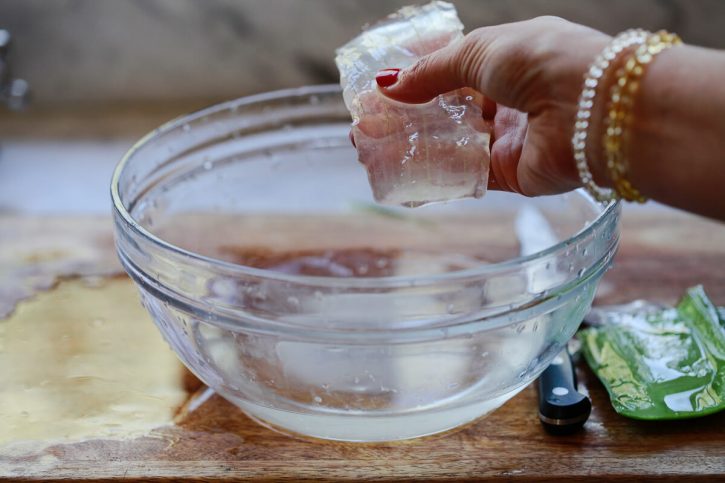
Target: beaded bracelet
x=621 y=101
x=592 y=77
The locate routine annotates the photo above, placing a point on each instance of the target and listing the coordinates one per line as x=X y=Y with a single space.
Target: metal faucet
x=14 y=93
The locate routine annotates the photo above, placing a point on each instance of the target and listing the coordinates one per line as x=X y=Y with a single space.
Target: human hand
x=531 y=74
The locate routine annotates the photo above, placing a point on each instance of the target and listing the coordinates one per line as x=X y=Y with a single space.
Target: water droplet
x=462 y=141
x=294 y=301
x=469 y=98
x=208 y=165
x=186 y=128
x=580 y=273
x=318 y=295
x=547 y=266
x=484 y=354
x=317 y=399
x=326 y=387
x=520 y=328
x=584 y=252
x=571 y=267
x=450 y=308
x=453 y=385
x=381 y=263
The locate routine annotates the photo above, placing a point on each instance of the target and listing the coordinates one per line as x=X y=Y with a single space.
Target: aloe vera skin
x=664 y=365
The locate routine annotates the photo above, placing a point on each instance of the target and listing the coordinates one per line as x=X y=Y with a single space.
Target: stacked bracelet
x=619 y=118
x=586 y=102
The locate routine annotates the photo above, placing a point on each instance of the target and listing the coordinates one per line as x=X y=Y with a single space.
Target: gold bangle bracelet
x=621 y=102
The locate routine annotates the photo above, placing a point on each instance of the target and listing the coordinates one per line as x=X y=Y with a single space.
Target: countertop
x=662 y=253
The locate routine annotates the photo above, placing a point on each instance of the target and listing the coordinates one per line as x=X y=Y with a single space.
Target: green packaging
x=661 y=363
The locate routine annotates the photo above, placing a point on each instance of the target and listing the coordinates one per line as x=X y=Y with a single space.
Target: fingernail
x=352 y=140
x=387 y=77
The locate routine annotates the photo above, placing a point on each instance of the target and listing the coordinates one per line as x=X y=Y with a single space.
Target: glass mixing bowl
x=251 y=234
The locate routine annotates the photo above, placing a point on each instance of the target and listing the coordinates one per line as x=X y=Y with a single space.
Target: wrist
x=652 y=132
x=593 y=115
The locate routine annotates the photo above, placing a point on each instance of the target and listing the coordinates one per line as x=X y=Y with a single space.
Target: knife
x=562 y=409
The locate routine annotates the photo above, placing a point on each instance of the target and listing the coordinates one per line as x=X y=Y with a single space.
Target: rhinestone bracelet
x=619 y=118
x=592 y=77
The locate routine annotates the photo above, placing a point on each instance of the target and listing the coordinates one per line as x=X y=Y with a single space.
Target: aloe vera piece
x=414 y=154
x=664 y=363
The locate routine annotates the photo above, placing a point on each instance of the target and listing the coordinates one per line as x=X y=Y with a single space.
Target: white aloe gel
x=414 y=154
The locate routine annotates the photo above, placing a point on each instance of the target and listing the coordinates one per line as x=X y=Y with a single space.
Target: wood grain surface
x=662 y=253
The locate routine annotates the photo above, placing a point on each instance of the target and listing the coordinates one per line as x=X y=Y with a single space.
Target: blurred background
x=104 y=72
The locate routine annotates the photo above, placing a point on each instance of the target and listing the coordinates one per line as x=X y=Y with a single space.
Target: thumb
x=427 y=78
x=487 y=60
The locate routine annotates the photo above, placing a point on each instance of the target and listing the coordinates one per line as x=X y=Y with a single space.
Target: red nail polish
x=387 y=77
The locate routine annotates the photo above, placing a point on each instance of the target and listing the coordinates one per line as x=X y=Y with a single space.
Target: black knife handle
x=562 y=409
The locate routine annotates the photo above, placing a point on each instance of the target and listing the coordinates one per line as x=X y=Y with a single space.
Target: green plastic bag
x=661 y=363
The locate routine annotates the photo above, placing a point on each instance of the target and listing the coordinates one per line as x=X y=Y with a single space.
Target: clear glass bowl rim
x=229 y=268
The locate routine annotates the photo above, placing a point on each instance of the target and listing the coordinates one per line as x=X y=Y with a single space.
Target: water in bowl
x=368 y=390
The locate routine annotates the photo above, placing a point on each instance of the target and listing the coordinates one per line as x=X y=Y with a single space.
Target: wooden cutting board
x=662 y=253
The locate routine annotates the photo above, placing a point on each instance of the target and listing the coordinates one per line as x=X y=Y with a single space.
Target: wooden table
x=662 y=253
